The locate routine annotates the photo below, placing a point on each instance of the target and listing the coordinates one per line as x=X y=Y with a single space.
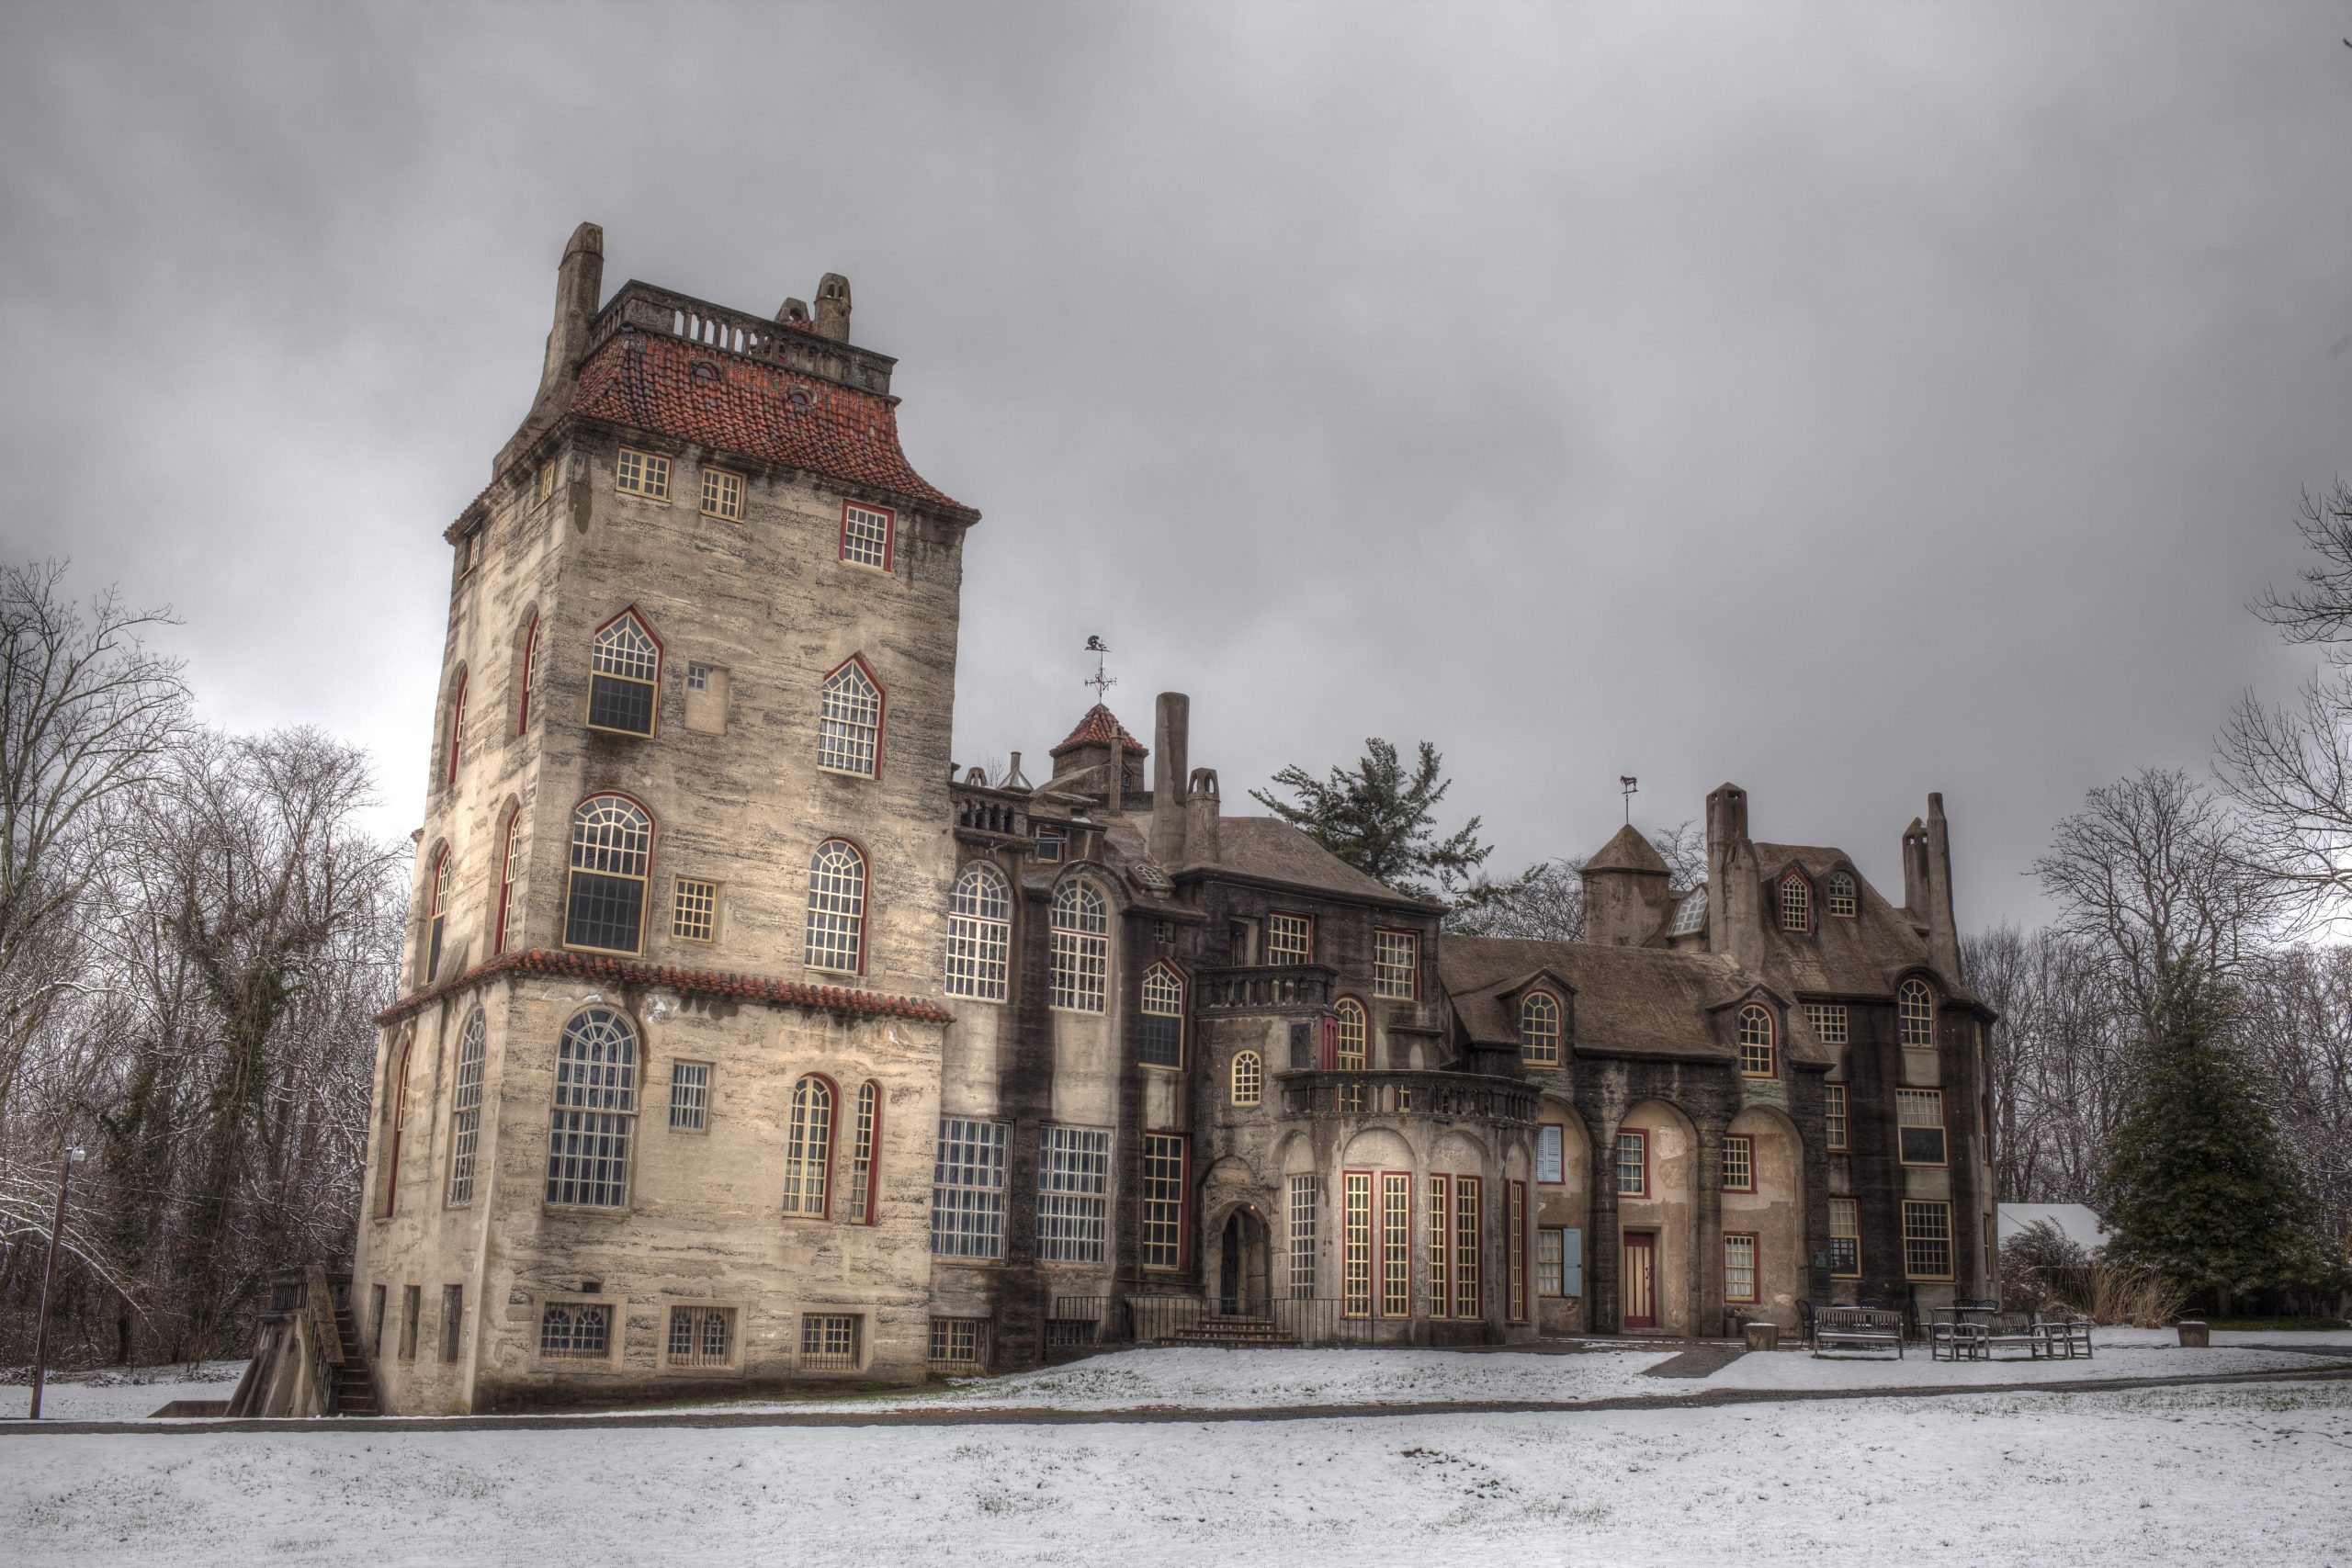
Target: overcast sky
x=1850 y=402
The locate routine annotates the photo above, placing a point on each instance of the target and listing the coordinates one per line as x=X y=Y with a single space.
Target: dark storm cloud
x=1850 y=401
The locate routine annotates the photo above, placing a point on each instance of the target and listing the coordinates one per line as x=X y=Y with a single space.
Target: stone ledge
x=690 y=982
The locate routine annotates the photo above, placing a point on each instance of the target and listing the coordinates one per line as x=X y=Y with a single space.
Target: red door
x=1641 y=1279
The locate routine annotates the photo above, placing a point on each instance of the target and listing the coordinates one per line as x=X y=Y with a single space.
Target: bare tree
x=2321 y=610
x=2057 y=1061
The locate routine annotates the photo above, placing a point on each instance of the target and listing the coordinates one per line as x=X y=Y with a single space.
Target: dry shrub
x=2109 y=1295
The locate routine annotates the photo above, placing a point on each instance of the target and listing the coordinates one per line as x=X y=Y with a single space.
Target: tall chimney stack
x=1172 y=725
x=1943 y=933
x=578 y=286
x=1734 y=894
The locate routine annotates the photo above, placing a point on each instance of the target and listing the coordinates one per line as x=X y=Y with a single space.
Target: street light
x=72 y=1157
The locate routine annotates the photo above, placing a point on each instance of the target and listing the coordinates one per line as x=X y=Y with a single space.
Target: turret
x=1625 y=890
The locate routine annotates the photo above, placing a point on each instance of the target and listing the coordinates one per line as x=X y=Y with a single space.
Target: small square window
x=575 y=1330
x=1050 y=849
x=1829 y=1020
x=866 y=534
x=545 y=485
x=828 y=1342
x=689 y=1096
x=722 y=494
x=1290 y=939
x=959 y=1344
x=701 y=1336
x=697 y=677
x=693 y=912
x=641 y=473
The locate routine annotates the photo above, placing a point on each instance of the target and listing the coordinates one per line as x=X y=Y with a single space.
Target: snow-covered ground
x=2230 y=1474
x=120 y=1395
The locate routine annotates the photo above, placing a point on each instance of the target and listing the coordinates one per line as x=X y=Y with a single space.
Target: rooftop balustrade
x=1451 y=1096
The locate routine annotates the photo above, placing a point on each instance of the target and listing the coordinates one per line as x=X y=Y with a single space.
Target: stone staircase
x=355 y=1387
x=1223 y=1333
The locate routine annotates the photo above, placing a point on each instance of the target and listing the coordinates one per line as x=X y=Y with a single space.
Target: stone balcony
x=1265 y=989
x=1448 y=1097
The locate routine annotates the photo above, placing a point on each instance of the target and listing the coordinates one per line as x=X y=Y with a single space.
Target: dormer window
x=1539 y=1029
x=1757 y=1058
x=1796 y=904
x=1843 y=898
x=1691 y=915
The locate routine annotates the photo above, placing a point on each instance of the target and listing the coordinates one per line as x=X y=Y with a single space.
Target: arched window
x=1539 y=1028
x=1843 y=898
x=624 y=673
x=595 y=1110
x=1796 y=904
x=400 y=1124
x=1081 y=957
x=612 y=846
x=523 y=668
x=865 y=1140
x=1249 y=1077
x=1915 y=1015
x=836 y=935
x=979 y=933
x=1354 y=1051
x=505 y=881
x=849 y=722
x=808 y=1148
x=457 y=729
x=1757 y=1057
x=465 y=1112
x=436 y=914
x=1691 y=915
x=1162 y=1009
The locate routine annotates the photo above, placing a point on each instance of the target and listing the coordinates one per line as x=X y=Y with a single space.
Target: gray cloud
x=1852 y=401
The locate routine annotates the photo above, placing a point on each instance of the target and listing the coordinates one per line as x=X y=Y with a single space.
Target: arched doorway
x=1244 y=1264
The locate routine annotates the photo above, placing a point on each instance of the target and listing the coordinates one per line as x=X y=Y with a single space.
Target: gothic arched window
x=808 y=1148
x=1162 y=1010
x=1915 y=1015
x=595 y=1110
x=505 y=881
x=1843 y=898
x=979 y=933
x=1757 y=1058
x=1081 y=956
x=1539 y=1029
x=624 y=673
x=612 y=847
x=465 y=1112
x=1796 y=904
x=436 y=913
x=836 y=935
x=457 y=740
x=849 y=722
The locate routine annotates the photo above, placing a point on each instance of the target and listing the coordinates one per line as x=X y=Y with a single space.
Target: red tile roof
x=1101 y=727
x=690 y=982
x=649 y=382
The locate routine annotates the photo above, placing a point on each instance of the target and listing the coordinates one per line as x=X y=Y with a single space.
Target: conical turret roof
x=1627 y=851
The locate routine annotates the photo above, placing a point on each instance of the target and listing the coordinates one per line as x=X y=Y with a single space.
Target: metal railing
x=1461 y=1097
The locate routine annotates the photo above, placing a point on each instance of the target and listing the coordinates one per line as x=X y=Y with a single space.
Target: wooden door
x=1641 y=1279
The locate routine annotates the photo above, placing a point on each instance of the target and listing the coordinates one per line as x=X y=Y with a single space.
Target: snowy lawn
x=2248 y=1474
x=2120 y=1353
x=118 y=1395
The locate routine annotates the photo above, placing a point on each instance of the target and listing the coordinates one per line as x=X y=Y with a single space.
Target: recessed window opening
x=979 y=934
x=849 y=722
x=836 y=928
x=594 y=1111
x=1081 y=946
x=612 y=848
x=624 y=673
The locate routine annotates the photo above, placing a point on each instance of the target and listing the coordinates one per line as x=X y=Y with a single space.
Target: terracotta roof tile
x=1101 y=727
x=649 y=382
x=691 y=982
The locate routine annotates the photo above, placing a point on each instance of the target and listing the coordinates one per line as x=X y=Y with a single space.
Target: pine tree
x=1382 y=821
x=2200 y=1188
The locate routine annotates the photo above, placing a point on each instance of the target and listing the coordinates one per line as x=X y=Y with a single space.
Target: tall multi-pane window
x=1844 y=899
x=456 y=741
x=1915 y=1015
x=968 y=1190
x=1833 y=1115
x=1845 y=1239
x=439 y=914
x=1829 y=1020
x=1351 y=1055
x=1162 y=1228
x=1919 y=1114
x=979 y=934
x=624 y=673
x=1515 y=1251
x=1396 y=1244
x=505 y=882
x=612 y=843
x=1355 y=1244
x=1161 y=1013
x=1539 y=1029
x=836 y=932
x=864 y=1134
x=1757 y=1057
x=1796 y=904
x=1302 y=1238
x=690 y=1097
x=808 y=1148
x=1441 y=1231
x=722 y=494
x=465 y=1112
x=1551 y=1262
x=1551 y=1153
x=1739 y=1267
x=1739 y=1163
x=1395 y=964
x=1468 y=1287
x=866 y=534
x=1290 y=939
x=1632 y=1164
x=1073 y=1194
x=641 y=473
x=399 y=1128
x=849 y=722
x=1927 y=1240
x=1081 y=946
x=1249 y=1077
x=595 y=1110
x=693 y=909
x=525 y=669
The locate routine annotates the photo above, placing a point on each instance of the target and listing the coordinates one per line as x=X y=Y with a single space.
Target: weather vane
x=1100 y=680
x=1628 y=786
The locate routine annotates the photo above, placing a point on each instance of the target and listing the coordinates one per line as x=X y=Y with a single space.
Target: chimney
x=1200 y=818
x=1172 y=725
x=1944 y=934
x=578 y=285
x=1914 y=872
x=1734 y=897
x=832 y=308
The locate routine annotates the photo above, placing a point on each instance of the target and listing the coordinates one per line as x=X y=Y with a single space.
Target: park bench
x=1857 y=1328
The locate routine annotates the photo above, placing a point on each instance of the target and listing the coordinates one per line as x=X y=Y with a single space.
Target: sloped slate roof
x=1862 y=956
x=1640 y=1000
x=649 y=382
x=1100 y=726
x=1627 y=850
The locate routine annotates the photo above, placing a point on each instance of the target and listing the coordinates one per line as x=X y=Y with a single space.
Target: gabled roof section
x=1101 y=727
x=1627 y=850
x=669 y=386
x=1640 y=1002
x=1864 y=955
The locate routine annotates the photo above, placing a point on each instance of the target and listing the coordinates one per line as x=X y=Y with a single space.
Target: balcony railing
x=1454 y=1096
x=990 y=813
x=1265 y=987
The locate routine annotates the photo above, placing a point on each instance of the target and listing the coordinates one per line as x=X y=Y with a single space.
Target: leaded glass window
x=1081 y=946
x=808 y=1148
x=465 y=1112
x=979 y=934
x=623 y=676
x=836 y=932
x=1302 y=1238
x=968 y=1190
x=849 y=722
x=612 y=843
x=1915 y=1013
x=1162 y=1210
x=1073 y=1194
x=595 y=1112
x=1539 y=1029
x=1796 y=904
x=1691 y=915
x=1352 y=1053
x=1162 y=1015
x=1757 y=1057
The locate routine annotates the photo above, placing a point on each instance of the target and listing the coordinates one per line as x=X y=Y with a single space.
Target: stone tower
x=681 y=880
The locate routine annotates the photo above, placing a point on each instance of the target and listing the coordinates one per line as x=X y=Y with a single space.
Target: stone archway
x=1242 y=1273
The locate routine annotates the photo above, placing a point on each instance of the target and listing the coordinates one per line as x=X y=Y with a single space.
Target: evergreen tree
x=1382 y=820
x=2200 y=1188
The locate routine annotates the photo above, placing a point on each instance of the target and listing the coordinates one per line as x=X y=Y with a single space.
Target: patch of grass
x=2279 y=1324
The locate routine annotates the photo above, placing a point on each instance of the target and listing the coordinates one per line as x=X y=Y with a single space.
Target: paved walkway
x=2338 y=1370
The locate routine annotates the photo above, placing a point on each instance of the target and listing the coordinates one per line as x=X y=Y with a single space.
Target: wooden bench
x=1858 y=1328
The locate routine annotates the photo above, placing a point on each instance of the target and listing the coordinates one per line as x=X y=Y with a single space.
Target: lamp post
x=65 y=1165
